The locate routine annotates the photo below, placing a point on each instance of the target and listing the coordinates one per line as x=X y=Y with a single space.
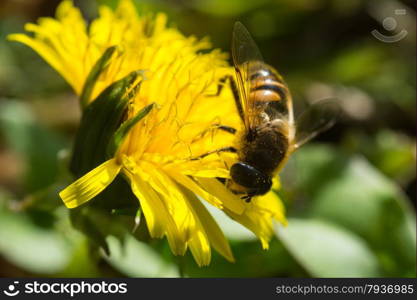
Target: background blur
x=350 y=195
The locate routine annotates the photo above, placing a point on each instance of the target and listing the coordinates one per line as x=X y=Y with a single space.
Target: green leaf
x=83 y=262
x=95 y=72
x=36 y=145
x=251 y=261
x=136 y=259
x=366 y=202
x=351 y=193
x=33 y=248
x=327 y=250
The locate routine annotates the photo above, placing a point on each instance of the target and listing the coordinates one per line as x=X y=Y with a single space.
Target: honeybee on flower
x=157 y=91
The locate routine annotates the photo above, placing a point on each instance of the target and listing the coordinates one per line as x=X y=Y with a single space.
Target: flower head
x=162 y=156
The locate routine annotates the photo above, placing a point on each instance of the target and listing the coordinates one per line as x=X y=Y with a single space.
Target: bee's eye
x=251 y=178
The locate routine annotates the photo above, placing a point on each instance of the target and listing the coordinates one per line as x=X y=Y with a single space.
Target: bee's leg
x=224 y=149
x=235 y=92
x=247 y=198
x=225 y=128
x=220 y=86
x=222 y=180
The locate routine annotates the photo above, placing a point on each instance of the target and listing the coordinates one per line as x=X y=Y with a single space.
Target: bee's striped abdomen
x=266 y=85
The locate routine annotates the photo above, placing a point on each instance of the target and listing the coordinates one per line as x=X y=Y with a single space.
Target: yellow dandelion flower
x=155 y=156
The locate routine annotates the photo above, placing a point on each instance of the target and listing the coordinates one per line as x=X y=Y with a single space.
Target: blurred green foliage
x=349 y=197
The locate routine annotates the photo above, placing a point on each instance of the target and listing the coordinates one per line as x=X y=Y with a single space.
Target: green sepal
x=100 y=120
x=124 y=129
x=92 y=77
x=101 y=126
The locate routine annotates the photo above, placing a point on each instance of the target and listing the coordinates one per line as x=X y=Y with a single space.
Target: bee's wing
x=317 y=118
x=244 y=53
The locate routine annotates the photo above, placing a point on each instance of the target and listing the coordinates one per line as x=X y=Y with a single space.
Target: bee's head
x=250 y=180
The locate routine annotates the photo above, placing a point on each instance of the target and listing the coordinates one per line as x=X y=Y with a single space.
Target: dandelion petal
x=91 y=184
x=158 y=219
x=216 y=188
x=214 y=233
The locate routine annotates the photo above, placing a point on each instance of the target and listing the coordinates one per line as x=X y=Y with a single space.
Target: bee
x=270 y=134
